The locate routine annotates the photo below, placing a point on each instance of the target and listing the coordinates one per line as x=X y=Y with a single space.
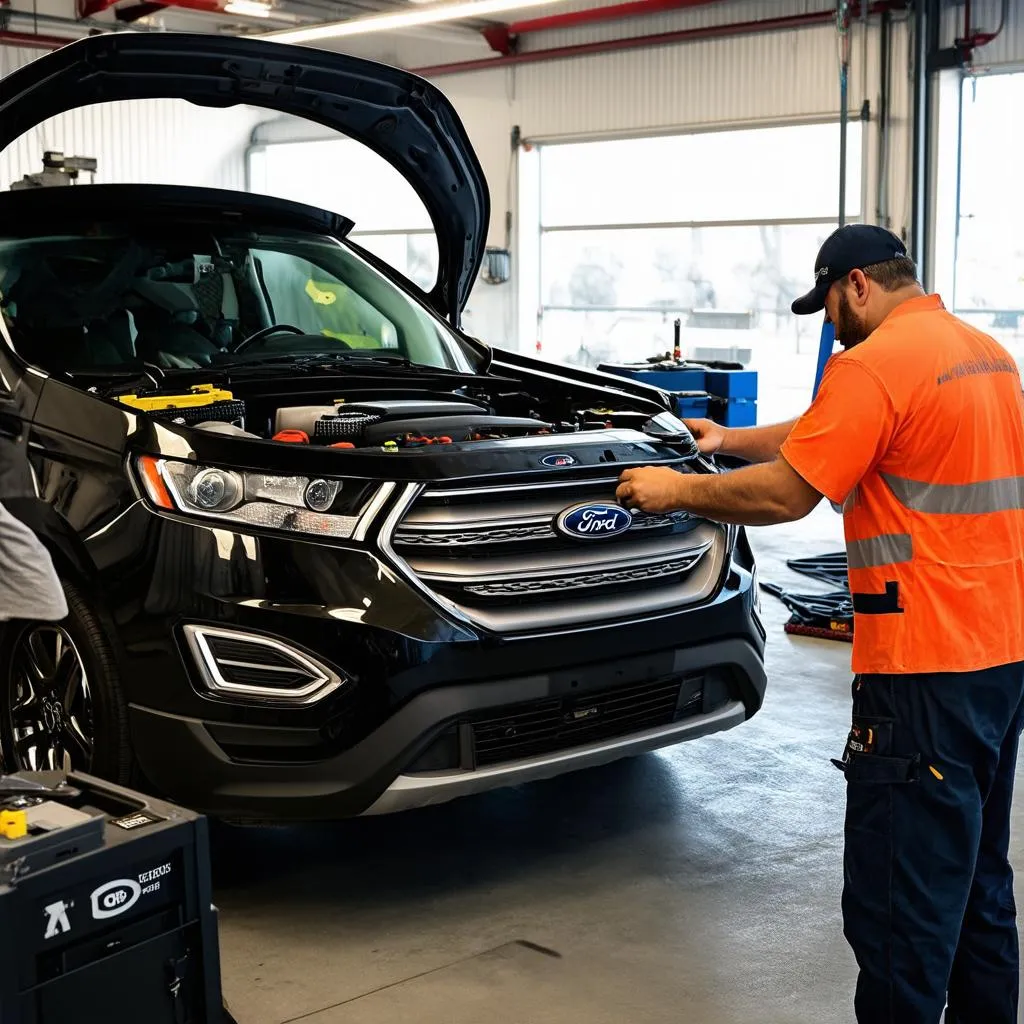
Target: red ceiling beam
x=90 y=8
x=33 y=41
x=685 y=35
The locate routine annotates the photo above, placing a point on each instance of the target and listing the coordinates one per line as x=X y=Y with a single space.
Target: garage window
x=989 y=256
x=719 y=229
x=344 y=176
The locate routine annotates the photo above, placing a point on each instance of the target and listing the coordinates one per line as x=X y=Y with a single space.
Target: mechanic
x=917 y=433
x=29 y=587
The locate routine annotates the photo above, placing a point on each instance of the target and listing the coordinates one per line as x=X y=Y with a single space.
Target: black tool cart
x=105 y=906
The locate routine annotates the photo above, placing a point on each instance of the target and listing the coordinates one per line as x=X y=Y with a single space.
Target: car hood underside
x=399 y=116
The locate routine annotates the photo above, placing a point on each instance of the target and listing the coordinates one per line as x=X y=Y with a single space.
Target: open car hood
x=402 y=118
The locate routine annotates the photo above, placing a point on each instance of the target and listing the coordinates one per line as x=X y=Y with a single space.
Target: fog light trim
x=217 y=671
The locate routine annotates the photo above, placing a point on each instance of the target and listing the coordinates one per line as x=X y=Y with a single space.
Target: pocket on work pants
x=872 y=764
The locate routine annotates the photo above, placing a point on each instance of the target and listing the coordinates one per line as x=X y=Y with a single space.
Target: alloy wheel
x=51 y=707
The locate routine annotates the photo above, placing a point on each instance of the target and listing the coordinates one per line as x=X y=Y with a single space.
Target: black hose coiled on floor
x=819 y=611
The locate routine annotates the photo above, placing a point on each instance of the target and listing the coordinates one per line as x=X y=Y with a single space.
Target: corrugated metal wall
x=147 y=141
x=781 y=76
x=747 y=80
x=774 y=76
x=785 y=76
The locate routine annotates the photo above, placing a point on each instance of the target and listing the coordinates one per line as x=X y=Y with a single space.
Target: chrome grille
x=586 y=580
x=494 y=553
x=539 y=528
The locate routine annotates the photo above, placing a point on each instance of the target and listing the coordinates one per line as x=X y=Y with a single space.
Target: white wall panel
x=783 y=76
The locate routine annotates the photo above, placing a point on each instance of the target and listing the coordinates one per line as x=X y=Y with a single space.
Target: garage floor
x=701 y=883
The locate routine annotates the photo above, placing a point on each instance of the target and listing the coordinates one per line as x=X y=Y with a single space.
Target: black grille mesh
x=547 y=726
x=223 y=649
x=260 y=665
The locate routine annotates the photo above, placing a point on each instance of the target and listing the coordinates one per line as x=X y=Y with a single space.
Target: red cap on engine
x=292 y=436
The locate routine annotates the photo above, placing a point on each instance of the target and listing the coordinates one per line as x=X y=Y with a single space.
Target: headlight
x=296 y=504
x=215 y=490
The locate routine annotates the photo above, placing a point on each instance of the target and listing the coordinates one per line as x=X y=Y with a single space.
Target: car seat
x=168 y=320
x=68 y=312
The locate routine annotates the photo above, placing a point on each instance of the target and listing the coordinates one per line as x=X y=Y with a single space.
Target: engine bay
x=396 y=422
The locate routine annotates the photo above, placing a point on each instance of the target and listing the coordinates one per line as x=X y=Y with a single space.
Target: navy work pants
x=928 y=897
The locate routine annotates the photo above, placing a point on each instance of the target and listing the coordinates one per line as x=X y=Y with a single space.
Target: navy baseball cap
x=853 y=247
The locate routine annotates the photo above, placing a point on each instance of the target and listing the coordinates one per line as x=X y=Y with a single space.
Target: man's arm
x=754 y=444
x=752 y=496
x=757 y=444
x=844 y=434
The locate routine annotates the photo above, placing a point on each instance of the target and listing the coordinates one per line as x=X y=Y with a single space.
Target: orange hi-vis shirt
x=918 y=433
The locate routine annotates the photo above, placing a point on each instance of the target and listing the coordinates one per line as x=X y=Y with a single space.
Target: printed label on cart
x=71 y=913
x=115 y=898
x=139 y=820
x=118 y=896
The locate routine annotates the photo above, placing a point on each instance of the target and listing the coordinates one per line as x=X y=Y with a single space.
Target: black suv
x=325 y=554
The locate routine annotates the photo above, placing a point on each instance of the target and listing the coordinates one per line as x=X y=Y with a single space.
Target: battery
x=106 y=904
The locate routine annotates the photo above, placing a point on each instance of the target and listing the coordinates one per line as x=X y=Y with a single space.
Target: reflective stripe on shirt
x=986 y=496
x=888 y=549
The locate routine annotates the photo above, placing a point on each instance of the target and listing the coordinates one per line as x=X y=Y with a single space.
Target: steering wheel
x=266 y=332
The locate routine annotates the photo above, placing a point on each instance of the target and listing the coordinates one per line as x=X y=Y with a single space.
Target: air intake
x=258 y=668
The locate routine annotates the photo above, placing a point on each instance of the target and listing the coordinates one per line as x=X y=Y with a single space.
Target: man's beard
x=849 y=330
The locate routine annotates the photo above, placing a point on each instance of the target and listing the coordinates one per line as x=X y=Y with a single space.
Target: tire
x=61 y=697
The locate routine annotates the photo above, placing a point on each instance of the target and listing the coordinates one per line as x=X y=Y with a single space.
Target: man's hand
x=709 y=435
x=651 y=489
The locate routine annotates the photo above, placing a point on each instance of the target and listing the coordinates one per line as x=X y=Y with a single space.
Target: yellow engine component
x=200 y=394
x=13 y=824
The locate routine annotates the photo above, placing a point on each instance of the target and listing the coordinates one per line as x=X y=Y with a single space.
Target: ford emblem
x=593 y=521
x=558 y=461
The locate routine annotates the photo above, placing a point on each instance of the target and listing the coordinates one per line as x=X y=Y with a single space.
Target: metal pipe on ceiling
x=843 y=25
x=78 y=26
x=984 y=38
x=882 y=119
x=686 y=35
x=502 y=37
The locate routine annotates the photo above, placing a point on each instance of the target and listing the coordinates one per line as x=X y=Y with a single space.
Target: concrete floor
x=701 y=883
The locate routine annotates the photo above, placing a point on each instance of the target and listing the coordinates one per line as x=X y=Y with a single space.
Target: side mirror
x=670 y=429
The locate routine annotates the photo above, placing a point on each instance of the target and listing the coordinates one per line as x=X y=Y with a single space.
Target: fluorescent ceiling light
x=401 y=19
x=248 y=8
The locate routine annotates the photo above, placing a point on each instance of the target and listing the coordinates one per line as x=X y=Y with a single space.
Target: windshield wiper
x=376 y=360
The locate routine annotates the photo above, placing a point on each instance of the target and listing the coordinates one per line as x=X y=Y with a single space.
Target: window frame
x=534 y=234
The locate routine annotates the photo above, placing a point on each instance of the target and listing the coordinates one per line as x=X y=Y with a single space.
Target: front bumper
x=374 y=775
x=422 y=789
x=411 y=672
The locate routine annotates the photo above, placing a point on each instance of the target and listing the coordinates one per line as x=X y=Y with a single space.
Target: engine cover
x=347 y=421
x=458 y=428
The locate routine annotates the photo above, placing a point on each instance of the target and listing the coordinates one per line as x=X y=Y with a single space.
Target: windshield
x=118 y=298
